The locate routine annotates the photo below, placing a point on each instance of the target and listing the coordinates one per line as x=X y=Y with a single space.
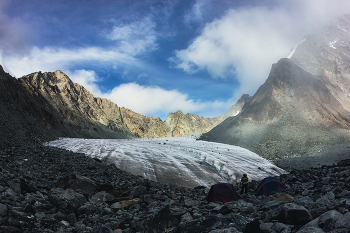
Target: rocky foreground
x=47 y=189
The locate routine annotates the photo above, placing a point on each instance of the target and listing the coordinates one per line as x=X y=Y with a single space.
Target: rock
x=186 y=217
x=121 y=204
x=9 y=229
x=271 y=205
x=3 y=210
x=71 y=219
x=343 y=222
x=226 y=230
x=67 y=200
x=294 y=214
x=253 y=226
x=327 y=220
x=311 y=230
x=328 y=201
x=139 y=190
x=198 y=225
x=307 y=202
x=284 y=197
x=189 y=202
x=87 y=209
x=161 y=220
x=103 y=196
x=82 y=184
x=102 y=229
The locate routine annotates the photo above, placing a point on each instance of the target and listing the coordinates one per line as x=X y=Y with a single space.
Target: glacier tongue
x=181 y=161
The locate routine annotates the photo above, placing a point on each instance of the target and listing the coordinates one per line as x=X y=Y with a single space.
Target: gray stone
x=161 y=220
x=327 y=220
x=305 y=201
x=82 y=184
x=189 y=202
x=267 y=227
x=271 y=205
x=310 y=230
x=39 y=216
x=294 y=214
x=343 y=222
x=67 y=200
x=3 y=210
x=103 y=196
x=225 y=230
x=327 y=200
x=139 y=190
x=186 y=217
x=71 y=218
x=16 y=187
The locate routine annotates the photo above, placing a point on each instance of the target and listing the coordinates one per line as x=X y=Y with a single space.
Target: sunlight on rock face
x=182 y=161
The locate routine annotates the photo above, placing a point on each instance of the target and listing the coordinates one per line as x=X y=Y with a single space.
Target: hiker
x=244 y=181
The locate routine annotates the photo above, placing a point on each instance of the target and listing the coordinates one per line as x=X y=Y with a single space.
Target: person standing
x=244 y=181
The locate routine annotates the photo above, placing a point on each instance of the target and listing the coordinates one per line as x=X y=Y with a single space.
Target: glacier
x=180 y=161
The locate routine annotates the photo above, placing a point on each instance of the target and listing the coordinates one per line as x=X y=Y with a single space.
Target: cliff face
x=76 y=106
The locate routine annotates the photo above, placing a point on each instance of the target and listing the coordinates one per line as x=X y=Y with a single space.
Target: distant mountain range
x=303 y=107
x=45 y=105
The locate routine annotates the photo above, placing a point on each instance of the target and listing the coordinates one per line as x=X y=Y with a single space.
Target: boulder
x=67 y=200
x=82 y=184
x=186 y=217
x=161 y=220
x=253 y=226
x=343 y=222
x=103 y=196
x=327 y=220
x=310 y=230
x=3 y=210
x=139 y=190
x=295 y=214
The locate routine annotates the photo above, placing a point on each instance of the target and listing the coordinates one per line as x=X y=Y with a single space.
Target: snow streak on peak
x=295 y=47
x=182 y=161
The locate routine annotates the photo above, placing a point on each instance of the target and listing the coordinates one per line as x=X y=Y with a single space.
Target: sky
x=157 y=57
x=181 y=161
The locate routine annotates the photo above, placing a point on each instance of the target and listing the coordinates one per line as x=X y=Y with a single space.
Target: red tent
x=223 y=192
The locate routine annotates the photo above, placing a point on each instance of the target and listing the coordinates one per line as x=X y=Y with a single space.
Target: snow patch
x=295 y=47
x=182 y=161
x=331 y=44
x=341 y=28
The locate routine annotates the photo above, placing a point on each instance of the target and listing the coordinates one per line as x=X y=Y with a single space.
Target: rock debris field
x=46 y=189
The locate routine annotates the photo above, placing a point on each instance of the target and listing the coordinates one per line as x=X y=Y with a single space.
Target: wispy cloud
x=135 y=38
x=49 y=59
x=247 y=41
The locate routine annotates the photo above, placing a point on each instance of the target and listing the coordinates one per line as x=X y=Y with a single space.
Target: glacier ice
x=181 y=161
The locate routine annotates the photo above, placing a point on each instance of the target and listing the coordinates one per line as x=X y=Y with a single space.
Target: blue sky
x=156 y=57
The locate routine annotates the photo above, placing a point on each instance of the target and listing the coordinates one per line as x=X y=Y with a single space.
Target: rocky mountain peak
x=303 y=108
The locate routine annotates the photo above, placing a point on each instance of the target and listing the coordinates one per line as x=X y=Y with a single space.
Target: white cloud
x=49 y=59
x=247 y=41
x=150 y=99
x=196 y=13
x=135 y=38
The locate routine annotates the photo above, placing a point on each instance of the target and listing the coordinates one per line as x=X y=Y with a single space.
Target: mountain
x=303 y=106
x=47 y=105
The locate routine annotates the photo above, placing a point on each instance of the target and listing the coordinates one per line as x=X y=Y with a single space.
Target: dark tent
x=223 y=192
x=270 y=185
